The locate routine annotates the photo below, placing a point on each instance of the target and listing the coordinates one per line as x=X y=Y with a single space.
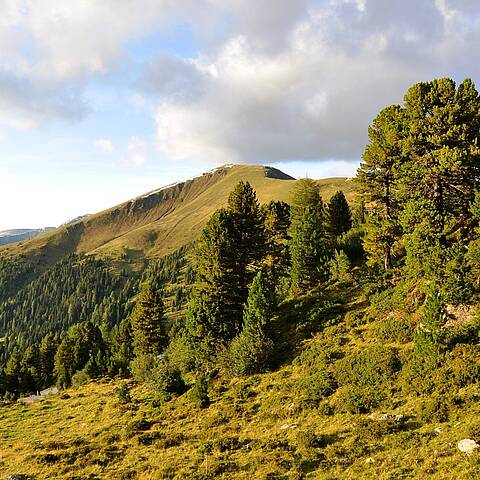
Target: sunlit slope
x=161 y=221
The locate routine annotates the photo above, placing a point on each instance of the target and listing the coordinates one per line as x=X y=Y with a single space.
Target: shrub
x=80 y=377
x=464 y=361
x=340 y=268
x=317 y=386
x=372 y=366
x=435 y=409
x=394 y=329
x=351 y=243
x=468 y=332
x=199 y=393
x=358 y=399
x=249 y=354
x=423 y=375
x=142 y=367
x=166 y=380
x=370 y=430
x=124 y=393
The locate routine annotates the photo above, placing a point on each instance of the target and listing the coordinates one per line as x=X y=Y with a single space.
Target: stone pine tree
x=310 y=251
x=277 y=224
x=339 y=214
x=305 y=194
x=64 y=361
x=214 y=313
x=250 y=352
x=244 y=208
x=377 y=178
x=48 y=348
x=441 y=174
x=148 y=323
x=428 y=337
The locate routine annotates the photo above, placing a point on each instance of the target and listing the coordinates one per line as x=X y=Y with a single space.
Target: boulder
x=467 y=445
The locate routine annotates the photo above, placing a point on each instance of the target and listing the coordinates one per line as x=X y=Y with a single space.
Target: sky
x=103 y=100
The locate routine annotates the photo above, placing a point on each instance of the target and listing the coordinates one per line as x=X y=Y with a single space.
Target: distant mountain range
x=19 y=234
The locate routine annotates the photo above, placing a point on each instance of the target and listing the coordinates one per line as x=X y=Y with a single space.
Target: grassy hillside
x=286 y=424
x=161 y=221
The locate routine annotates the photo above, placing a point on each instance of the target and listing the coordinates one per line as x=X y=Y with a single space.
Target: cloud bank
x=270 y=81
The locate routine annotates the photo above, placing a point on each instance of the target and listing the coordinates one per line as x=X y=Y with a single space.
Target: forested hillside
x=307 y=336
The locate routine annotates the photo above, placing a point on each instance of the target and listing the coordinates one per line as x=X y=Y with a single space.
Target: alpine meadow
x=243 y=323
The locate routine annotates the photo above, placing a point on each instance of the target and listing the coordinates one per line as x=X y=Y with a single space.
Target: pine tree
x=64 y=361
x=305 y=194
x=31 y=375
x=148 y=323
x=277 y=224
x=378 y=176
x=251 y=350
x=339 y=214
x=340 y=268
x=310 y=251
x=245 y=211
x=428 y=337
x=48 y=348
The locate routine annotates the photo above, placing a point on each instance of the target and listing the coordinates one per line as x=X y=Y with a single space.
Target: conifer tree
x=214 y=313
x=339 y=214
x=251 y=350
x=305 y=194
x=48 y=348
x=377 y=177
x=245 y=211
x=148 y=323
x=31 y=375
x=64 y=361
x=310 y=251
x=277 y=224
x=428 y=337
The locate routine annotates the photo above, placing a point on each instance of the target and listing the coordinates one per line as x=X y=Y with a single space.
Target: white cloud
x=273 y=80
x=105 y=145
x=137 y=151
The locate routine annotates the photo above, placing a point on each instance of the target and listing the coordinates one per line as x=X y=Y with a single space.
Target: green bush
x=372 y=366
x=358 y=399
x=423 y=375
x=435 y=409
x=124 y=393
x=468 y=332
x=141 y=367
x=351 y=243
x=249 y=354
x=464 y=362
x=316 y=387
x=394 y=329
x=166 y=380
x=370 y=430
x=199 y=393
x=307 y=440
x=80 y=377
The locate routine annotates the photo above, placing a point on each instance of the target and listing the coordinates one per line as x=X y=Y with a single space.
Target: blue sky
x=102 y=101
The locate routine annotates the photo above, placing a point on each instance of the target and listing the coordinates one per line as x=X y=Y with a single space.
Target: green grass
x=268 y=426
x=154 y=226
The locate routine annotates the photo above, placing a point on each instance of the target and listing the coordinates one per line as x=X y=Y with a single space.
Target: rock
x=370 y=460
x=18 y=476
x=467 y=445
x=288 y=425
x=438 y=430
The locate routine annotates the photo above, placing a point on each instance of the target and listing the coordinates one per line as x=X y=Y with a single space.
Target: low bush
x=166 y=380
x=435 y=409
x=395 y=329
x=372 y=366
x=199 y=393
x=317 y=386
x=358 y=399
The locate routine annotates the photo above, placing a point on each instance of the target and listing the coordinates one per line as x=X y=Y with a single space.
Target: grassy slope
x=158 y=223
x=254 y=428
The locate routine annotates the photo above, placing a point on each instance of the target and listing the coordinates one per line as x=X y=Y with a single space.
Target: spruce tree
x=250 y=352
x=310 y=251
x=148 y=323
x=339 y=214
x=48 y=348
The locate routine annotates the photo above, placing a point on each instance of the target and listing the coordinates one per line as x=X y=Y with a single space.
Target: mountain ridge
x=160 y=221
